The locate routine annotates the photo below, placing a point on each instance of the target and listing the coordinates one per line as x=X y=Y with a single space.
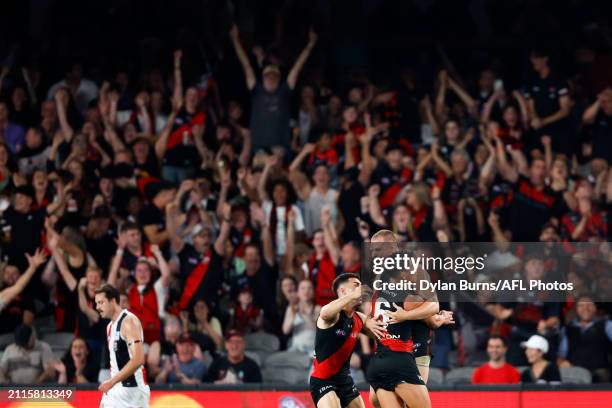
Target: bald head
x=384 y=236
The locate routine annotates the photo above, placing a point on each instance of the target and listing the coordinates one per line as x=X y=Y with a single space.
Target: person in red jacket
x=496 y=370
x=147 y=298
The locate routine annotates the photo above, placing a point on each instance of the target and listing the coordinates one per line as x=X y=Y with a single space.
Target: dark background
x=372 y=37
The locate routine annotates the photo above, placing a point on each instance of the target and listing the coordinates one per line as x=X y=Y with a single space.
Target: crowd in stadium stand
x=222 y=220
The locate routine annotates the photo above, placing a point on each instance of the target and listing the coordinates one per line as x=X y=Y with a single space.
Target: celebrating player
x=127 y=386
x=338 y=326
x=422 y=334
x=393 y=373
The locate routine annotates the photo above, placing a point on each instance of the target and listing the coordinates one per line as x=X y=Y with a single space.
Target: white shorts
x=126 y=397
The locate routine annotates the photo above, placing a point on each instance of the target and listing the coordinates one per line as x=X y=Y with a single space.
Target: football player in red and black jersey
x=338 y=327
x=393 y=373
x=422 y=336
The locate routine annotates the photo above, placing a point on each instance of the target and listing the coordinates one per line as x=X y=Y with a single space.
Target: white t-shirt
x=87 y=92
x=161 y=292
x=281 y=228
x=313 y=206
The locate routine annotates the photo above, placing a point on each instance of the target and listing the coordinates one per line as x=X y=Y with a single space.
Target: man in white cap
x=540 y=370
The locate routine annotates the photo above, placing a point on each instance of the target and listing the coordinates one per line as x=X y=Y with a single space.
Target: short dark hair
x=129 y=225
x=354 y=244
x=498 y=337
x=340 y=279
x=109 y=291
x=291 y=278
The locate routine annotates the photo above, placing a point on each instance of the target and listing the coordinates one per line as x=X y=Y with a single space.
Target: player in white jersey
x=127 y=387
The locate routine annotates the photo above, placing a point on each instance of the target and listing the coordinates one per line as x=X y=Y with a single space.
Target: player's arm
x=371 y=327
x=329 y=312
x=428 y=308
x=425 y=310
x=131 y=331
x=440 y=319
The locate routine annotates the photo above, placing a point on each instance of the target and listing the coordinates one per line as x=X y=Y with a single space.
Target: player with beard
x=393 y=373
x=127 y=386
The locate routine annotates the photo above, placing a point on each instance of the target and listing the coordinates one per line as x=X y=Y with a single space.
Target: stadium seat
x=461 y=375
x=575 y=375
x=253 y=356
x=59 y=352
x=207 y=358
x=44 y=325
x=58 y=340
x=6 y=339
x=286 y=367
x=284 y=375
x=436 y=376
x=288 y=359
x=261 y=343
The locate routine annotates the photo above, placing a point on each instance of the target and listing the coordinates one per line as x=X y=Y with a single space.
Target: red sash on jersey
x=333 y=363
x=330 y=157
x=247 y=235
x=194 y=281
x=176 y=138
x=418 y=218
x=325 y=278
x=387 y=198
x=147 y=312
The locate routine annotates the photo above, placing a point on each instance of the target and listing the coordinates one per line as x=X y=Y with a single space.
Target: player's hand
x=447 y=317
x=106 y=386
x=397 y=315
x=377 y=327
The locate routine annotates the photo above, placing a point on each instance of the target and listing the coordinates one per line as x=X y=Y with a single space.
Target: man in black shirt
x=391 y=175
x=549 y=104
x=201 y=266
x=586 y=341
x=235 y=367
x=21 y=227
x=152 y=217
x=257 y=275
x=533 y=203
x=270 y=97
x=599 y=116
x=131 y=238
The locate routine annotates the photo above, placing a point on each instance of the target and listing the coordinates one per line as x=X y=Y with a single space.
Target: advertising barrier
x=473 y=397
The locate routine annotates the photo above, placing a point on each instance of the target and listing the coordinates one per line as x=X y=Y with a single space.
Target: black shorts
x=342 y=384
x=388 y=370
